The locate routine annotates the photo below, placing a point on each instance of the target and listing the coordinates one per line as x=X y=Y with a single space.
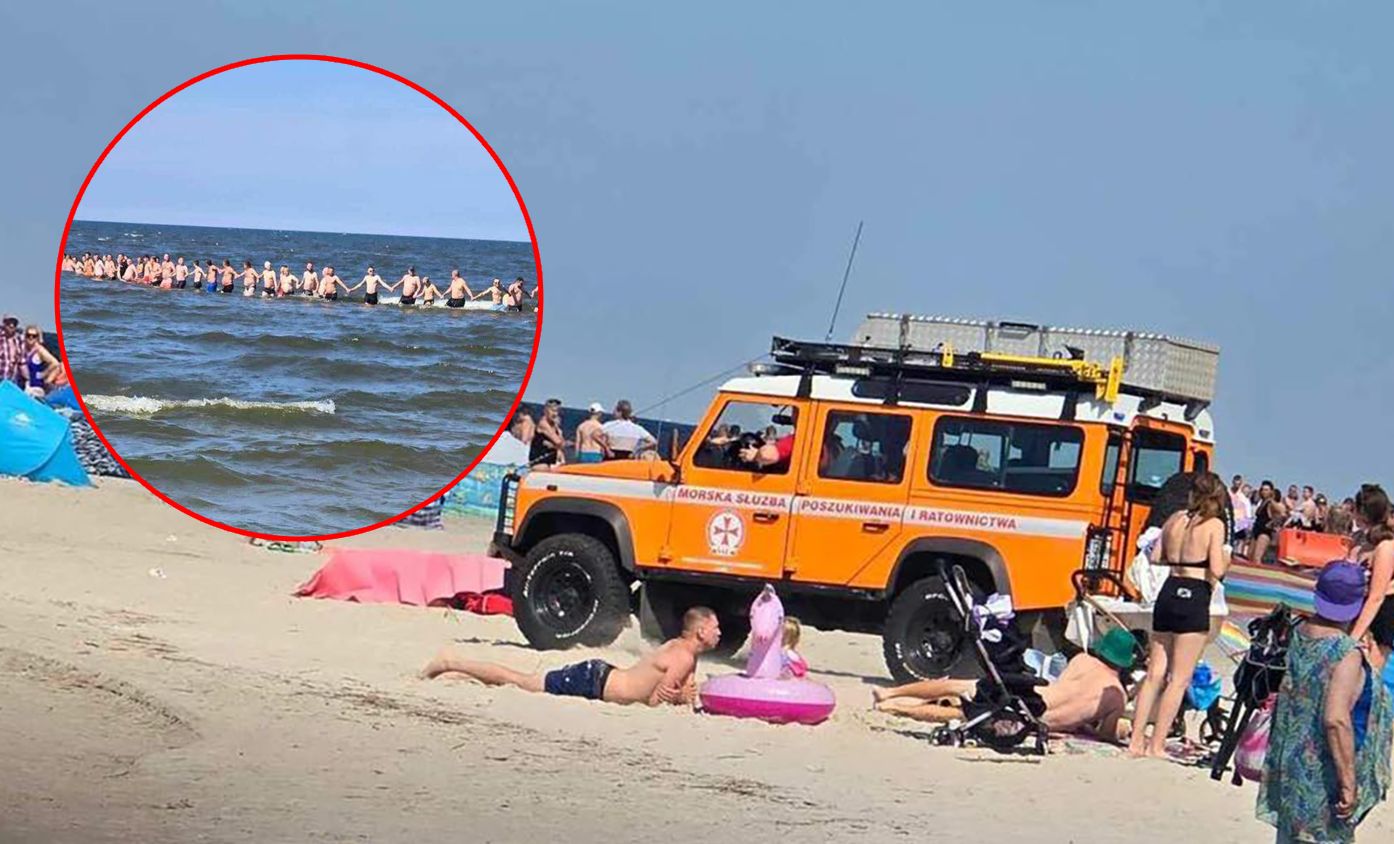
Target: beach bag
x=1253 y=743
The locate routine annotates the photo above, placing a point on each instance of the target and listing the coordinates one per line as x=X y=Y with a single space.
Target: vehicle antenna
x=702 y=383
x=845 y=273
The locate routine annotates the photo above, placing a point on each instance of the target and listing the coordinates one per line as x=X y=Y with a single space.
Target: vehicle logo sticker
x=725 y=533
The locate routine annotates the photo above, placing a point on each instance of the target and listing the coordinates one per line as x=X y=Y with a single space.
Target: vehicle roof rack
x=944 y=364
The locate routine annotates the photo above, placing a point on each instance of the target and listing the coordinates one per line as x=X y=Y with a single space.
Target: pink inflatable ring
x=774 y=700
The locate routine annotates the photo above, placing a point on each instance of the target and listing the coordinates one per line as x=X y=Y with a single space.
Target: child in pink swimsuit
x=794 y=664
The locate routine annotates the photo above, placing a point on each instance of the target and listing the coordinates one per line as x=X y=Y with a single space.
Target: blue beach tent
x=35 y=441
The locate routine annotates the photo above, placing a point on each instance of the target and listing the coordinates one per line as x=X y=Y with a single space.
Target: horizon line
x=304 y=231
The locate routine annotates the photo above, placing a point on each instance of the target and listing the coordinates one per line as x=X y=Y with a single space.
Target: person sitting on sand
x=794 y=664
x=1090 y=696
x=663 y=676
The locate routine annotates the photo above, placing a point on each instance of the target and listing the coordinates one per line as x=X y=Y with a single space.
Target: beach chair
x=1258 y=676
x=1006 y=711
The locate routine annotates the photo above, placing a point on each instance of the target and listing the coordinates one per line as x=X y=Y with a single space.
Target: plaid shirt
x=11 y=357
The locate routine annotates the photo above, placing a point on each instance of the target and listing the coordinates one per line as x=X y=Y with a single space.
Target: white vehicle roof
x=1001 y=401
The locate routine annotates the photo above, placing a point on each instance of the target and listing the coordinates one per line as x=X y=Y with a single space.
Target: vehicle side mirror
x=782 y=419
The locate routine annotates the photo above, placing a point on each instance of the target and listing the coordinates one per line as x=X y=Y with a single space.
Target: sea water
x=294 y=416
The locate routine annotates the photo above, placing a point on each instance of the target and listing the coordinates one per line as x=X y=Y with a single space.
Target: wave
x=142 y=406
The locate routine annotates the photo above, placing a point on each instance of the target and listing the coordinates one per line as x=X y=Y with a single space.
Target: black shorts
x=333 y=297
x=408 y=300
x=227 y=288
x=1183 y=606
x=455 y=303
x=370 y=298
x=1382 y=625
x=584 y=679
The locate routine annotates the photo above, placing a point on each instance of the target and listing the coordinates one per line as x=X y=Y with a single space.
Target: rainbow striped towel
x=1253 y=590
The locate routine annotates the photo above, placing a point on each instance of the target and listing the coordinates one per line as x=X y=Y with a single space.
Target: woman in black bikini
x=1269 y=516
x=1374 y=549
x=1192 y=545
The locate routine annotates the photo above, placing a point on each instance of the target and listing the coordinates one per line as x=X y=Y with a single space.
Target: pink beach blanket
x=419 y=578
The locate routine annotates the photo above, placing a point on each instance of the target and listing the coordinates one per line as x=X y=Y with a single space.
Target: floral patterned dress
x=1299 y=776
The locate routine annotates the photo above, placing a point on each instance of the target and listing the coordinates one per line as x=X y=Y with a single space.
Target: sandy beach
x=158 y=683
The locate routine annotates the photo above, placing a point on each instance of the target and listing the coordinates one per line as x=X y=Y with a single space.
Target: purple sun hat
x=1340 y=591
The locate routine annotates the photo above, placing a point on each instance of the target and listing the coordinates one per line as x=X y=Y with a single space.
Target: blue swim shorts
x=584 y=679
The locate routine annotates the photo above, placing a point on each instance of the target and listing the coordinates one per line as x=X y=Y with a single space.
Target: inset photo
x=299 y=297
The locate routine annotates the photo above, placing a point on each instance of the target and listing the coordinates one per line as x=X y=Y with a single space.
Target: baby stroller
x=1007 y=709
x=1257 y=677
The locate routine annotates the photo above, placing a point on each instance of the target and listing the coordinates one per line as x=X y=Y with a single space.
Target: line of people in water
x=169 y=274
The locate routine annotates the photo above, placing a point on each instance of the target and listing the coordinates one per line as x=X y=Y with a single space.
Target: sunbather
x=1089 y=697
x=663 y=676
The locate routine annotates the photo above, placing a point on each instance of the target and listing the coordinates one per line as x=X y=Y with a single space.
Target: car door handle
x=876 y=527
x=765 y=517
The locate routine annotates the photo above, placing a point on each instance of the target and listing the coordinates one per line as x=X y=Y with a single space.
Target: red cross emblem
x=725 y=533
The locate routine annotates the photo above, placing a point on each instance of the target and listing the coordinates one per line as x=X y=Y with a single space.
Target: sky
x=308 y=146
x=1214 y=171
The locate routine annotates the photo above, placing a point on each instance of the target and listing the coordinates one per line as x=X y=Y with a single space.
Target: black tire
x=924 y=638
x=661 y=608
x=569 y=591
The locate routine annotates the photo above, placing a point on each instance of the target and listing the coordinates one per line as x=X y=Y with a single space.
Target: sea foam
x=143 y=406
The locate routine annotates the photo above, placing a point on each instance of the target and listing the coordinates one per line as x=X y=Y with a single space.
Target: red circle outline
x=67 y=227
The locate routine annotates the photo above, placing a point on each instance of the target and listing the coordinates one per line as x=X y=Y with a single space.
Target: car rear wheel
x=569 y=591
x=924 y=636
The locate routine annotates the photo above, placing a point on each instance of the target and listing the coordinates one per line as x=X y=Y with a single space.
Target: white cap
x=597 y=407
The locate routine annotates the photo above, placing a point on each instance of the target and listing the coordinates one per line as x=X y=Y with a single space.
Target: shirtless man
x=129 y=274
x=665 y=675
x=329 y=285
x=285 y=282
x=459 y=291
x=411 y=288
x=268 y=279
x=181 y=274
x=494 y=290
x=249 y=279
x=309 y=282
x=409 y=281
x=166 y=272
x=369 y=284
x=592 y=445
x=1089 y=697
x=228 y=275
x=514 y=297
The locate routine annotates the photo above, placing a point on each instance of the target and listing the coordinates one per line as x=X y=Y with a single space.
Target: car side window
x=1157 y=455
x=742 y=424
x=1008 y=456
x=867 y=447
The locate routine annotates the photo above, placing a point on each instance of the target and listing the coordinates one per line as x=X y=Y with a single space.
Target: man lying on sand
x=663 y=676
x=1089 y=697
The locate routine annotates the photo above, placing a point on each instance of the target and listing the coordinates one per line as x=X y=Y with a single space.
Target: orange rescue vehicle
x=842 y=473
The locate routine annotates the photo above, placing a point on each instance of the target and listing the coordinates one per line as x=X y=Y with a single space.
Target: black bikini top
x=1203 y=564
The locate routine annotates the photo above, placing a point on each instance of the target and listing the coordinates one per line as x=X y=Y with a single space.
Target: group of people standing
x=1260 y=512
x=167 y=273
x=595 y=440
x=1328 y=757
